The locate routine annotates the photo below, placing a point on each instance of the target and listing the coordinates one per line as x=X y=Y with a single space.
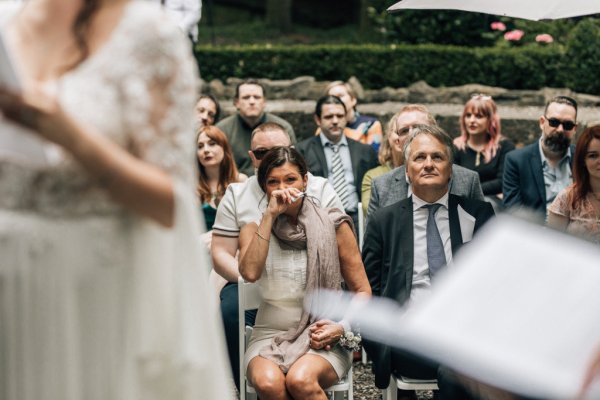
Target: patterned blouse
x=584 y=221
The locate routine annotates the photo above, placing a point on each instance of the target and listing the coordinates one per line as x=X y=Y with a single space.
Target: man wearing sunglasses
x=535 y=174
x=243 y=203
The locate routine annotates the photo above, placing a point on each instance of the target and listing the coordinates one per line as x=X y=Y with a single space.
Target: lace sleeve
x=158 y=97
x=560 y=205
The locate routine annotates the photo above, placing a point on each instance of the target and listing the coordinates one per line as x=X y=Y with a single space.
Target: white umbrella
x=528 y=9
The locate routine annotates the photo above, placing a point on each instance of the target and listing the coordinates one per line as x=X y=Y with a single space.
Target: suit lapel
x=354 y=160
x=535 y=163
x=400 y=186
x=455 y=232
x=407 y=243
x=320 y=154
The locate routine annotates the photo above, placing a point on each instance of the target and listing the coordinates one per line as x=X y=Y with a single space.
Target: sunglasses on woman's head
x=555 y=123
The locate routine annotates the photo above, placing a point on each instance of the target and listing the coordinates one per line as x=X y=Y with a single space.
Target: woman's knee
x=268 y=382
x=302 y=384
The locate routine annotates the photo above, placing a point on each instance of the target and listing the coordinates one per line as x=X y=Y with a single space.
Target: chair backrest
x=249 y=298
x=403 y=383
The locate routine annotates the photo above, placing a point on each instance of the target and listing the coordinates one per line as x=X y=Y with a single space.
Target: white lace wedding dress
x=97 y=303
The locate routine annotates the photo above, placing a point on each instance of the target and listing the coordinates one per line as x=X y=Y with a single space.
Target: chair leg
x=390 y=392
x=338 y=395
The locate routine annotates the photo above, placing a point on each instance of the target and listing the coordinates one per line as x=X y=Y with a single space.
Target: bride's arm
x=136 y=184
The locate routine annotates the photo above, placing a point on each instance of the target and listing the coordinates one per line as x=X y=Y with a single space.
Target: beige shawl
x=315 y=231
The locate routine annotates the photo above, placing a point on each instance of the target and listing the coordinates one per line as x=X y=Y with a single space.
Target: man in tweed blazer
x=393 y=186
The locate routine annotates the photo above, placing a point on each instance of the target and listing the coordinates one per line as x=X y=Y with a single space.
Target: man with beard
x=535 y=174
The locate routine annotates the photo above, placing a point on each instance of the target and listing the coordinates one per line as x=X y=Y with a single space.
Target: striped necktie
x=436 y=257
x=339 y=180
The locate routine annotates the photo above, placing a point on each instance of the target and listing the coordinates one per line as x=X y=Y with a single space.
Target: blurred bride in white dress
x=103 y=281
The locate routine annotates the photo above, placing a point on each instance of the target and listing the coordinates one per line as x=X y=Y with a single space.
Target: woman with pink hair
x=481 y=146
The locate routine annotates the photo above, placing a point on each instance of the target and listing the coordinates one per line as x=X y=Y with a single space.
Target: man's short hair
x=249 y=81
x=393 y=122
x=430 y=130
x=417 y=108
x=562 y=100
x=328 y=100
x=269 y=127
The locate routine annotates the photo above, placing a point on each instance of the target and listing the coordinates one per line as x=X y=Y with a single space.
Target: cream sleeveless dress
x=282 y=286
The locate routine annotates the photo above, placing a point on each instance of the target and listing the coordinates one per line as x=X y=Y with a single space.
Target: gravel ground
x=364 y=386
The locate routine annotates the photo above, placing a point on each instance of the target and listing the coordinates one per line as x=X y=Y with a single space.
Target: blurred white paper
x=520 y=311
x=17 y=144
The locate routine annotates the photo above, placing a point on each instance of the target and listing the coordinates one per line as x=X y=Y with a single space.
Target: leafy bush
x=376 y=66
x=583 y=57
x=424 y=26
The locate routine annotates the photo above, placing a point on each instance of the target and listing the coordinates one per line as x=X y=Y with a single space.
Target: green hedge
x=376 y=66
x=583 y=54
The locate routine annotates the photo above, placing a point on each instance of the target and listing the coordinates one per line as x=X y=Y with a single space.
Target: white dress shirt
x=421 y=281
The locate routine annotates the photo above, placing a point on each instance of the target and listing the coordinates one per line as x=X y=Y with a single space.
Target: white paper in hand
x=520 y=311
x=16 y=143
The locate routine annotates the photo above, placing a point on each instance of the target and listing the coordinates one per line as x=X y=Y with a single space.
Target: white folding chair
x=403 y=383
x=361 y=226
x=249 y=298
x=361 y=238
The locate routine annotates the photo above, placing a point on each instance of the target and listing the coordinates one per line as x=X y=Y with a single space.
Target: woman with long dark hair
x=104 y=288
x=577 y=208
x=295 y=248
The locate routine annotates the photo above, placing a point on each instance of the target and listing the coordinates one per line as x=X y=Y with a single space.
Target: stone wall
x=519 y=110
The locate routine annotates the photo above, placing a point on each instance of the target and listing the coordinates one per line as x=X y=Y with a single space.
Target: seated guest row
x=243 y=203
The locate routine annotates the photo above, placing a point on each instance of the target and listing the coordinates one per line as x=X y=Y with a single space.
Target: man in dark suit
x=535 y=174
x=392 y=186
x=408 y=242
x=331 y=154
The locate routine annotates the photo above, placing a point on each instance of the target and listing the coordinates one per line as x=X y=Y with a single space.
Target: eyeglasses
x=555 y=123
x=481 y=96
x=260 y=153
x=404 y=131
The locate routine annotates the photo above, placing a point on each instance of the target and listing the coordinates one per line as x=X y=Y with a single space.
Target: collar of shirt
x=324 y=140
x=262 y=120
x=545 y=163
x=418 y=203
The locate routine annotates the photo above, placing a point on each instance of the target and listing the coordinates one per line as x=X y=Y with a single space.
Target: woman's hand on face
x=281 y=199
x=324 y=334
x=39 y=112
